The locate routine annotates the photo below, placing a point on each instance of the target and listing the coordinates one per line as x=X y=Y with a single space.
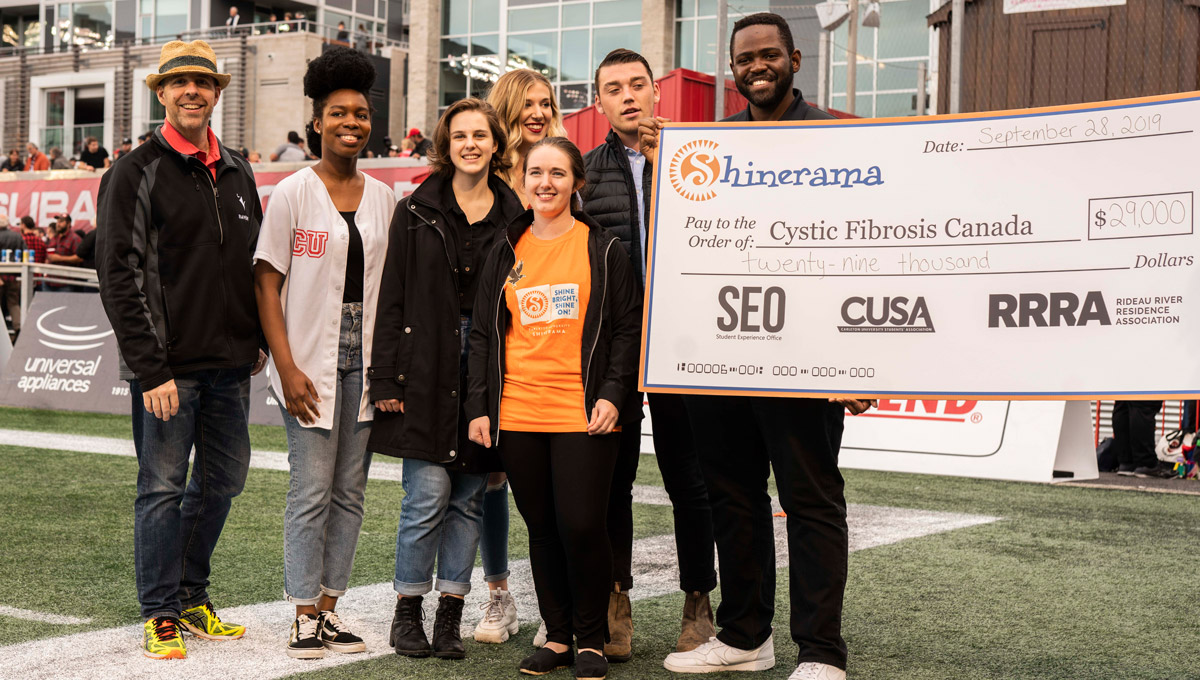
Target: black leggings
x=560 y=482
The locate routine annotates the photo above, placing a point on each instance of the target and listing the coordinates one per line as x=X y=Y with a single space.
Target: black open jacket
x=173 y=254
x=610 y=196
x=416 y=354
x=608 y=361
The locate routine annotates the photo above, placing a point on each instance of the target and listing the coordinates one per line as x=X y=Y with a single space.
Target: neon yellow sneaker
x=202 y=621
x=161 y=639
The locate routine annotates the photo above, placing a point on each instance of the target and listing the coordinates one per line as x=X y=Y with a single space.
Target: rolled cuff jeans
x=328 y=482
x=176 y=521
x=440 y=519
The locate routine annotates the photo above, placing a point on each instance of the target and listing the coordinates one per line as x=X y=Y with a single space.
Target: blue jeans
x=493 y=545
x=328 y=482
x=440 y=518
x=176 y=522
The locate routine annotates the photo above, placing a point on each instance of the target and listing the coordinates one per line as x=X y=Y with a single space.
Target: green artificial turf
x=262 y=437
x=1071 y=583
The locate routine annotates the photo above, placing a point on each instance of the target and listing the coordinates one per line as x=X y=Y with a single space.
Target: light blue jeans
x=440 y=520
x=329 y=478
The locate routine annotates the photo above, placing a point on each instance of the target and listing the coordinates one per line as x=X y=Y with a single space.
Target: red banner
x=42 y=199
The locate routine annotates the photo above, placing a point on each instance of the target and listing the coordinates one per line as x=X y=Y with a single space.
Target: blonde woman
x=525 y=102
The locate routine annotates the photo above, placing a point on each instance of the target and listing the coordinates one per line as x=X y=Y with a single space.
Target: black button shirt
x=471 y=241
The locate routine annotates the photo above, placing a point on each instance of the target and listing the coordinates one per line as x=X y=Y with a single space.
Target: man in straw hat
x=177 y=222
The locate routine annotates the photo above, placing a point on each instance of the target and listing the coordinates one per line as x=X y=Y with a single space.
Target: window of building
x=83 y=23
x=163 y=18
x=564 y=41
x=72 y=114
x=887 y=60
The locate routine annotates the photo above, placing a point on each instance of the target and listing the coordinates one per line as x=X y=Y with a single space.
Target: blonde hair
x=508 y=96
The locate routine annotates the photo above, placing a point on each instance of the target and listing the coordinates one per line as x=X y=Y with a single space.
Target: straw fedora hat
x=180 y=57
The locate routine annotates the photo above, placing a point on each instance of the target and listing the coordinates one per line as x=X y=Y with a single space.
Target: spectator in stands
x=93 y=156
x=273 y=27
x=126 y=147
x=342 y=34
x=1133 y=439
x=35 y=241
x=61 y=248
x=406 y=148
x=13 y=162
x=36 y=160
x=286 y=26
x=421 y=145
x=292 y=151
x=143 y=137
x=360 y=38
x=58 y=161
x=232 y=22
x=254 y=157
x=10 y=284
x=302 y=22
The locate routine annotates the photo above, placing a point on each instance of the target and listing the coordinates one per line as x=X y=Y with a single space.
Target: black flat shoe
x=590 y=666
x=545 y=660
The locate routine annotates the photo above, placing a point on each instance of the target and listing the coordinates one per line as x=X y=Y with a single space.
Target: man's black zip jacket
x=610 y=196
x=611 y=327
x=173 y=254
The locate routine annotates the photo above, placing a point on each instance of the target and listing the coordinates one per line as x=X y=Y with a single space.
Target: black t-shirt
x=96 y=160
x=353 y=289
x=87 y=249
x=423 y=147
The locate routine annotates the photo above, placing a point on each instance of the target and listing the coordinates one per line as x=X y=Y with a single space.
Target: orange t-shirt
x=543 y=385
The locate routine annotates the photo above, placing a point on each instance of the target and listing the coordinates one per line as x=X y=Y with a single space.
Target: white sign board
x=1012 y=255
x=1017 y=6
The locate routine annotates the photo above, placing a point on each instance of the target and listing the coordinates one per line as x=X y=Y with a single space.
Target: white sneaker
x=715 y=656
x=811 y=670
x=539 y=639
x=499 y=618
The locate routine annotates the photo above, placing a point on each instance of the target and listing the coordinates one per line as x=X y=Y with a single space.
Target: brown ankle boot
x=697 y=625
x=619 y=647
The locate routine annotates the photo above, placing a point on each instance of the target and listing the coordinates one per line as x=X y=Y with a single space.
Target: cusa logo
x=694 y=169
x=534 y=304
x=886 y=315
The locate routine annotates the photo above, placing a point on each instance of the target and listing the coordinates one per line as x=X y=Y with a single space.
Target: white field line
x=41 y=617
x=112 y=654
x=267 y=460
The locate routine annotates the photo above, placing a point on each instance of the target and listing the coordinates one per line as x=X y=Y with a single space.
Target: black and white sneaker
x=304 y=643
x=1159 y=471
x=336 y=636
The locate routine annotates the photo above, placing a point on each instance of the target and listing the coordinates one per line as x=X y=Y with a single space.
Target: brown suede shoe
x=619 y=647
x=697 y=625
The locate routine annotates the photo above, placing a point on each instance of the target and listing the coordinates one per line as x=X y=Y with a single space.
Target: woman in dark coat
x=437 y=242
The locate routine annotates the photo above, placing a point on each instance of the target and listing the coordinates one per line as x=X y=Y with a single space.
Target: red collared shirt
x=183 y=146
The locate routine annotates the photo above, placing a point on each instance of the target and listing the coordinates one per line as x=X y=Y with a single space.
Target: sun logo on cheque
x=535 y=304
x=694 y=169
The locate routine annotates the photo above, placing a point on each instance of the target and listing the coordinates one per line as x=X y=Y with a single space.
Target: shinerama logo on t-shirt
x=543 y=304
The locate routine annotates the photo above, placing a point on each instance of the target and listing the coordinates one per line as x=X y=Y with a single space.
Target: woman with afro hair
x=317 y=271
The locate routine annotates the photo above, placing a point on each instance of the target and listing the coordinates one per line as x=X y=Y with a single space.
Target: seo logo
x=694 y=169
x=535 y=304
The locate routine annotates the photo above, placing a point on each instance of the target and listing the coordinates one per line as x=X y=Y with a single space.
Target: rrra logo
x=535 y=304
x=694 y=169
x=1055 y=309
x=886 y=315
x=310 y=243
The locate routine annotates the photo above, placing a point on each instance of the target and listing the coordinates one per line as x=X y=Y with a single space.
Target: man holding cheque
x=741 y=439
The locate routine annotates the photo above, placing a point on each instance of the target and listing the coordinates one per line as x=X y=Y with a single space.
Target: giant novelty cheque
x=1036 y=254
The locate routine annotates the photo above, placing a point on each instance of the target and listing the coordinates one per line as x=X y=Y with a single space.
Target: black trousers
x=1133 y=433
x=684 y=482
x=561 y=482
x=740 y=440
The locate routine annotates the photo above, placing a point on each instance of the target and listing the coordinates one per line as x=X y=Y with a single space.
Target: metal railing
x=369 y=42
x=31 y=274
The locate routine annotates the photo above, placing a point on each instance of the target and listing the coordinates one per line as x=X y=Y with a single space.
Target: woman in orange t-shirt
x=553 y=372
